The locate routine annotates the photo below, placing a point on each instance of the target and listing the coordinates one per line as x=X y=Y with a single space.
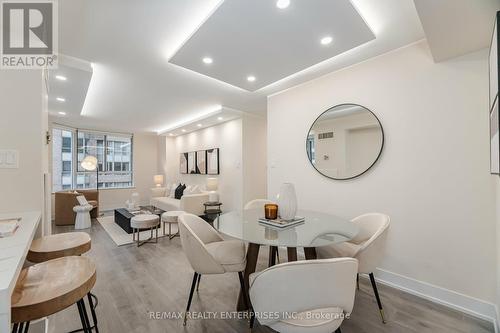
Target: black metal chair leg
x=82 y=318
x=20 y=329
x=273 y=250
x=14 y=327
x=377 y=296
x=92 y=312
x=85 y=315
x=252 y=319
x=357 y=281
x=198 y=284
x=27 y=327
x=193 y=285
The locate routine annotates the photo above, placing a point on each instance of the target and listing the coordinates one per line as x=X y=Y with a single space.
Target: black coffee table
x=123 y=216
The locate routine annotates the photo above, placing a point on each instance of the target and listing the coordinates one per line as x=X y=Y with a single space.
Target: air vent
x=327 y=135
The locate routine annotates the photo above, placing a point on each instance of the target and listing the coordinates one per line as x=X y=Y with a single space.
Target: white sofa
x=189 y=203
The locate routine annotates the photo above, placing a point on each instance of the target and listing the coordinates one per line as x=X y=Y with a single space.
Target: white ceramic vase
x=287 y=202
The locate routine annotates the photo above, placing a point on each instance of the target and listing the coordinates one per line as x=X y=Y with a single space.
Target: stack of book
x=8 y=226
x=282 y=224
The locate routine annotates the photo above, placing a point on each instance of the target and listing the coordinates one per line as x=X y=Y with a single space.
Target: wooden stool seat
x=59 y=245
x=49 y=287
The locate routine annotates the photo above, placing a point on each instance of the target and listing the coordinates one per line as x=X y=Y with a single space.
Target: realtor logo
x=28 y=34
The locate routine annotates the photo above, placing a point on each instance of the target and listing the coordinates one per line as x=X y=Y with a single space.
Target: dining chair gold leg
x=195 y=278
x=377 y=296
x=198 y=284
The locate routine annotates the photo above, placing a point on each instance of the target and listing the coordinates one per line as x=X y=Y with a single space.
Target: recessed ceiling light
x=251 y=78
x=220 y=118
x=282 y=4
x=208 y=60
x=60 y=99
x=199 y=125
x=183 y=130
x=60 y=77
x=62 y=113
x=326 y=40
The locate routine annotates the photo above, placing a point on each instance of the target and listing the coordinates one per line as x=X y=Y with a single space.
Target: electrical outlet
x=9 y=159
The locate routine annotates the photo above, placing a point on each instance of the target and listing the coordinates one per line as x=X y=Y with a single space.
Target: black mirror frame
x=371 y=165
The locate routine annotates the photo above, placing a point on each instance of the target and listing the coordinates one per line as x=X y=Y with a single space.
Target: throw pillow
x=179 y=191
x=172 y=190
x=195 y=189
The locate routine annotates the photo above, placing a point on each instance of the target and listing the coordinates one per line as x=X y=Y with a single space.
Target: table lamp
x=212 y=185
x=158 y=180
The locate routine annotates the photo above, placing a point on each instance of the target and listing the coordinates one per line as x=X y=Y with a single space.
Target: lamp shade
x=89 y=163
x=158 y=180
x=212 y=184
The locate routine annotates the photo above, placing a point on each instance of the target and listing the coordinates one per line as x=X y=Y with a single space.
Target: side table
x=212 y=209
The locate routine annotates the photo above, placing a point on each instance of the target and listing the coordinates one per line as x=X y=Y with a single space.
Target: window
x=62 y=157
x=113 y=153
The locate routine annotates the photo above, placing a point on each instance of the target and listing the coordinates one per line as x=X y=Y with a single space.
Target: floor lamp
x=89 y=163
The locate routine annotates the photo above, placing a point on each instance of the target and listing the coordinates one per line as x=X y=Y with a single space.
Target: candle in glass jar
x=271 y=211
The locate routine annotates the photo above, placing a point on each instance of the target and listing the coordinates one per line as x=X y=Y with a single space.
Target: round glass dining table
x=318 y=229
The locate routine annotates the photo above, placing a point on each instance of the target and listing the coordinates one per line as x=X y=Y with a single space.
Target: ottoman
x=144 y=221
x=171 y=217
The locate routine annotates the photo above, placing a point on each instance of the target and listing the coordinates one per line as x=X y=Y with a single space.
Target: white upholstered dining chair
x=259 y=204
x=366 y=247
x=307 y=296
x=209 y=253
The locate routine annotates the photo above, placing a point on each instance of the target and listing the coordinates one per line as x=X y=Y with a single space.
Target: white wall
x=226 y=136
x=242 y=144
x=433 y=176
x=23 y=121
x=254 y=158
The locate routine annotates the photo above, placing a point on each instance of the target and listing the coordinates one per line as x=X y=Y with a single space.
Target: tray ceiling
x=244 y=39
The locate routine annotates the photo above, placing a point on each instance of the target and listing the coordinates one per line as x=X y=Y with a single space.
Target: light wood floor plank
x=133 y=281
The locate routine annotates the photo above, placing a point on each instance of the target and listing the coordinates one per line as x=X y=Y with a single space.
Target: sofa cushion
x=172 y=190
x=166 y=203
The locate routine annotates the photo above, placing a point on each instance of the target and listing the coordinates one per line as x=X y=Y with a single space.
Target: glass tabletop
x=318 y=229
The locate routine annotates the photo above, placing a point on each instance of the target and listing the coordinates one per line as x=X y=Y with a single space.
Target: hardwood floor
x=133 y=282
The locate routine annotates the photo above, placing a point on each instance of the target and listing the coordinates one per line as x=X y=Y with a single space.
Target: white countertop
x=13 y=251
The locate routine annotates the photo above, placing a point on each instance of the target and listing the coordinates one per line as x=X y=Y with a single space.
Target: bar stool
x=63 y=245
x=49 y=287
x=58 y=246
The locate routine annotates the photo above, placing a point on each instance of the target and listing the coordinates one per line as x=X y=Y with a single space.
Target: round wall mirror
x=345 y=141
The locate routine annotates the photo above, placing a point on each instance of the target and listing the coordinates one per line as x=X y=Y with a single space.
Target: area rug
x=120 y=237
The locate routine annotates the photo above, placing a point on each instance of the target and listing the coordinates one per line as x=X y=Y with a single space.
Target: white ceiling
x=257 y=38
x=456 y=27
x=70 y=81
x=134 y=87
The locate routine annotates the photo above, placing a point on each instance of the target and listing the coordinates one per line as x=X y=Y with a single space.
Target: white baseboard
x=470 y=305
